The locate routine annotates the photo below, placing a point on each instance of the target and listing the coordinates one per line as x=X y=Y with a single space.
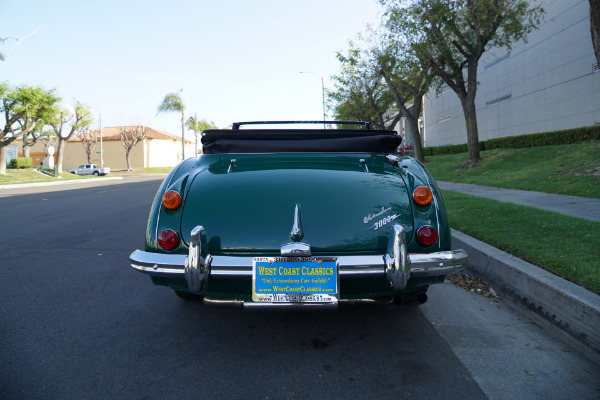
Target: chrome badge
x=380 y=219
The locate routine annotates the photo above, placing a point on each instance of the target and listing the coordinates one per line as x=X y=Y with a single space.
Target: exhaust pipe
x=422 y=298
x=398 y=300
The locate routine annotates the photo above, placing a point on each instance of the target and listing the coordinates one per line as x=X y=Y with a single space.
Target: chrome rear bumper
x=397 y=266
x=230 y=267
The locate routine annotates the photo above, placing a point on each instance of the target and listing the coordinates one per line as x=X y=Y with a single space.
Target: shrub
x=566 y=136
x=21 y=163
x=452 y=149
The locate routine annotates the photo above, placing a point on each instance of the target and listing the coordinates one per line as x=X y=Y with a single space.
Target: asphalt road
x=77 y=322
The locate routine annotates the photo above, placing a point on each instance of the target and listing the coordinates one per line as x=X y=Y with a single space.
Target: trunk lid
x=251 y=208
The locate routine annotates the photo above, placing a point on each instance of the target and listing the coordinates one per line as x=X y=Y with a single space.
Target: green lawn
x=32 y=176
x=566 y=246
x=14 y=176
x=572 y=169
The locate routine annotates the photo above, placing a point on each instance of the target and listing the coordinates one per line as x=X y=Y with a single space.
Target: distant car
x=298 y=217
x=89 y=169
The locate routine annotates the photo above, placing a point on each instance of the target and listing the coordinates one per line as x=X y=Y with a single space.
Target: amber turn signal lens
x=168 y=239
x=171 y=200
x=422 y=195
x=427 y=235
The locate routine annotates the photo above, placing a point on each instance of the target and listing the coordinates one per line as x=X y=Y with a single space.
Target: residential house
x=157 y=149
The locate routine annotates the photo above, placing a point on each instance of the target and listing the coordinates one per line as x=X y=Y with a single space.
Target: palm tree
x=198 y=125
x=173 y=102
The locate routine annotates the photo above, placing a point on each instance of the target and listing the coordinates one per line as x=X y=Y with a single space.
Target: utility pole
x=322 y=91
x=101 y=150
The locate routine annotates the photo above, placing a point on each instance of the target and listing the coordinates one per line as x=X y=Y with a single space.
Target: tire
x=96 y=173
x=188 y=296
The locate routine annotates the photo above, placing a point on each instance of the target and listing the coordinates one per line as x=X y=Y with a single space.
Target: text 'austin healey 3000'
x=273 y=216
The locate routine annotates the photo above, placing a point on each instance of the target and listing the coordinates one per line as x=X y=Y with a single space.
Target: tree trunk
x=60 y=154
x=416 y=138
x=26 y=147
x=2 y=159
x=128 y=159
x=468 y=105
x=414 y=125
x=595 y=27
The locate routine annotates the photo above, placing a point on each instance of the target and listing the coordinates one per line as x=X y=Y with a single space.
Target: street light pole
x=322 y=91
x=101 y=149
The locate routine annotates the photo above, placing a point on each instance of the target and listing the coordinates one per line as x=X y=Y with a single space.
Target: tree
x=173 y=102
x=595 y=27
x=49 y=139
x=381 y=73
x=407 y=76
x=130 y=137
x=198 y=125
x=2 y=40
x=408 y=80
x=360 y=92
x=24 y=107
x=88 y=141
x=41 y=130
x=67 y=122
x=452 y=35
x=29 y=140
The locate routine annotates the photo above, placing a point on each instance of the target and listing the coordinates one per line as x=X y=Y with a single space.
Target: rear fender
x=433 y=214
x=178 y=179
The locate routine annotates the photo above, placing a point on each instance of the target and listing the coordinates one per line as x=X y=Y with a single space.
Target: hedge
x=21 y=163
x=567 y=136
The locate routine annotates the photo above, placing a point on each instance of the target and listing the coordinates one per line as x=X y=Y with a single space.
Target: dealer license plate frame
x=320 y=288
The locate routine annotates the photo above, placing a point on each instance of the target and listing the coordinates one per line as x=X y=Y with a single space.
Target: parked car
x=89 y=169
x=298 y=217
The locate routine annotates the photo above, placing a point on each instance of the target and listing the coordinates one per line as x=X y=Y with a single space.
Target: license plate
x=295 y=279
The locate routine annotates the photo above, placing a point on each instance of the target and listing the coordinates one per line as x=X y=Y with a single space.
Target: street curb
x=566 y=305
x=22 y=185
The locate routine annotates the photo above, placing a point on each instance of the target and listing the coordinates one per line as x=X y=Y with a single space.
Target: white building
x=550 y=83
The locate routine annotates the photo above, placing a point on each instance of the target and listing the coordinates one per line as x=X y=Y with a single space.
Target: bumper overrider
x=396 y=265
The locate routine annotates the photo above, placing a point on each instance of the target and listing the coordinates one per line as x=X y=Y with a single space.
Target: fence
x=48 y=171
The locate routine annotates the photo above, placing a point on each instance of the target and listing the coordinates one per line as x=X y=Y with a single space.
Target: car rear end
x=243 y=225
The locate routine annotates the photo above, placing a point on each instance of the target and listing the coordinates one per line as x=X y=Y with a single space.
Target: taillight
x=422 y=195
x=168 y=239
x=171 y=199
x=427 y=235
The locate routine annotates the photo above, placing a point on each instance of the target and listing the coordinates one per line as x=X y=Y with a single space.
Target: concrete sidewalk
x=566 y=305
x=581 y=207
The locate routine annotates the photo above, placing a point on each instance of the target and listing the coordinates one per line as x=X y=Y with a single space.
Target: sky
x=234 y=60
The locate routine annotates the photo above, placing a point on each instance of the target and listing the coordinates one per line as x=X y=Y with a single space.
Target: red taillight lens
x=422 y=195
x=427 y=235
x=171 y=199
x=168 y=239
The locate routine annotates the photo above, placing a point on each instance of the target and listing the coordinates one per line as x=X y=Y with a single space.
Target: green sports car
x=271 y=216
